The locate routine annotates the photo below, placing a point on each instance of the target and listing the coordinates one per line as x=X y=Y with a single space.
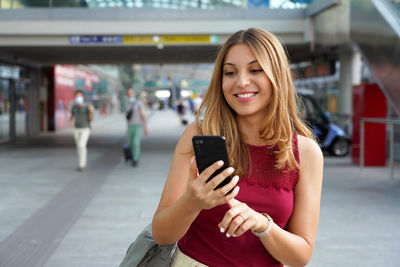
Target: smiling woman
x=246 y=87
x=268 y=214
x=256 y=79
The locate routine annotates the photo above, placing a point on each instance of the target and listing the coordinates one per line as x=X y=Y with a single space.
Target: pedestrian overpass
x=126 y=36
x=325 y=30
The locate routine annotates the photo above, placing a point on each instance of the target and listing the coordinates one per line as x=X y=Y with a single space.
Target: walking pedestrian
x=81 y=116
x=137 y=123
x=271 y=216
x=197 y=102
x=180 y=109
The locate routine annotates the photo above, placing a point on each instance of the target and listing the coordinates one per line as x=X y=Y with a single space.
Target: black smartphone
x=208 y=149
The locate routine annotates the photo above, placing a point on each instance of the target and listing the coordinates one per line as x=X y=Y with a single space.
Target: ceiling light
x=163 y=93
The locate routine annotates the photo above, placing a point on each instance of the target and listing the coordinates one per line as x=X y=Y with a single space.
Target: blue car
x=331 y=137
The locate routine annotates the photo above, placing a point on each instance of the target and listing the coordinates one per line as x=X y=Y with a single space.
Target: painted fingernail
x=191 y=161
x=228 y=235
x=222 y=230
x=220 y=163
x=230 y=170
x=236 y=179
x=233 y=235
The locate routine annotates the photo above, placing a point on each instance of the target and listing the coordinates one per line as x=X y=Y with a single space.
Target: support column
x=350 y=74
x=33 y=112
x=13 y=131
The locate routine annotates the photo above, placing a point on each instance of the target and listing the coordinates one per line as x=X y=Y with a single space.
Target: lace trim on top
x=263 y=171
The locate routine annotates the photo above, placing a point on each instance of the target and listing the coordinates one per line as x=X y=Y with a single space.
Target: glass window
x=21 y=102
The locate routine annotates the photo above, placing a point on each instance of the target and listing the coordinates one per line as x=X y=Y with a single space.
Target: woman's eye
x=256 y=70
x=228 y=73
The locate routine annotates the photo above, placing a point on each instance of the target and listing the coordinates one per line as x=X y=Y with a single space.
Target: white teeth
x=245 y=95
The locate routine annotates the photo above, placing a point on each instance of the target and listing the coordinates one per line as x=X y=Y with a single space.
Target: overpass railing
x=171 y=4
x=391 y=123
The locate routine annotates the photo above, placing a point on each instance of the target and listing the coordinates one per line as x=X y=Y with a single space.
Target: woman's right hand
x=202 y=194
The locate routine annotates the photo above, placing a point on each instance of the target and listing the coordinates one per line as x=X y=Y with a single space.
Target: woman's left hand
x=240 y=218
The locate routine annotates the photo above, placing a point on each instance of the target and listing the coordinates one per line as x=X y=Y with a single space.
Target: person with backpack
x=81 y=116
x=137 y=123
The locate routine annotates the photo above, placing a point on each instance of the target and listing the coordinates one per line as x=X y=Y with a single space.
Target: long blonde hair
x=279 y=125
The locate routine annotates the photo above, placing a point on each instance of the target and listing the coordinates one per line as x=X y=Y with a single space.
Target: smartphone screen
x=208 y=149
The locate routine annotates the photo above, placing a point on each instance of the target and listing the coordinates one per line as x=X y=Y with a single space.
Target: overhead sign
x=143 y=39
x=170 y=39
x=139 y=39
x=95 y=39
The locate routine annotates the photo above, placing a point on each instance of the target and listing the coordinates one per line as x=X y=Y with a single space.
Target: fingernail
x=228 y=235
x=230 y=170
x=222 y=230
x=191 y=161
x=236 y=179
x=220 y=163
x=233 y=235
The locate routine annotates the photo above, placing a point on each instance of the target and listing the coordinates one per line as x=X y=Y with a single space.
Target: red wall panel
x=369 y=102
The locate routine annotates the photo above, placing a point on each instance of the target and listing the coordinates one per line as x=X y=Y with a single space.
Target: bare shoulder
x=191 y=129
x=309 y=150
x=311 y=165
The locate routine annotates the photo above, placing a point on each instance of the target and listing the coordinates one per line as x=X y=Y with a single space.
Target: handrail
x=391 y=122
x=390 y=14
x=174 y=5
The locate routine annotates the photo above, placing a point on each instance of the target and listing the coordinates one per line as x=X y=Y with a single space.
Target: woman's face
x=245 y=85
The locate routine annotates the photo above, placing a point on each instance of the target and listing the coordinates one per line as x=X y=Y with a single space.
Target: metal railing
x=171 y=4
x=391 y=123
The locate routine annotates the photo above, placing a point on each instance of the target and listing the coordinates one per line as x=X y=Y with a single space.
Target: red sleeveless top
x=264 y=189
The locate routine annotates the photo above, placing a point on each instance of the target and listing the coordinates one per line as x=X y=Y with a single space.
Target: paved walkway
x=51 y=215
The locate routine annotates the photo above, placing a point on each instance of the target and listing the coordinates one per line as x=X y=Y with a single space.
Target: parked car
x=331 y=137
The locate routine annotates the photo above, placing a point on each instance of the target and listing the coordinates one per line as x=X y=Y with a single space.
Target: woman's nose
x=243 y=80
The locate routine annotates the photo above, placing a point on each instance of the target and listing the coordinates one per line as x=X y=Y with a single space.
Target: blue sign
x=258 y=3
x=302 y=1
x=95 y=39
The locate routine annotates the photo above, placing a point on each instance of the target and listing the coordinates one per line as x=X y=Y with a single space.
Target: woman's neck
x=249 y=127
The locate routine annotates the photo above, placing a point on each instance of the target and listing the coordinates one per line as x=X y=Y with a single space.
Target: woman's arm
x=144 y=120
x=186 y=192
x=91 y=113
x=293 y=247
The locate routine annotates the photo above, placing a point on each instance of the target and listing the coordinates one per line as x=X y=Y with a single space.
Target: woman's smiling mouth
x=245 y=97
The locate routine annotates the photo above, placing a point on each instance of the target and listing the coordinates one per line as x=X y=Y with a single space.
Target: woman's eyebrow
x=251 y=62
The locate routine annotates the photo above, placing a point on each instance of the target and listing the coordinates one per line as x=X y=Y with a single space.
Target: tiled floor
x=53 y=216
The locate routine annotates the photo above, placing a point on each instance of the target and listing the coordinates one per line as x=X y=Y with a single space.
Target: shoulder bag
x=145 y=252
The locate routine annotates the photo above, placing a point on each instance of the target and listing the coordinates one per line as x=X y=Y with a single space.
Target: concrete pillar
x=33 y=112
x=350 y=74
x=13 y=108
